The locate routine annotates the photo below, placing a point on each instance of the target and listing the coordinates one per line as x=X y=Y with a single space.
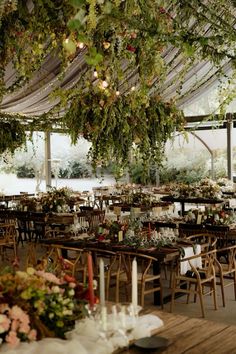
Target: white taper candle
x=101 y=282
x=134 y=284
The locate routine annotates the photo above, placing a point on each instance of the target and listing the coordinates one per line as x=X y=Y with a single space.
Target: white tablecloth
x=86 y=339
x=189 y=252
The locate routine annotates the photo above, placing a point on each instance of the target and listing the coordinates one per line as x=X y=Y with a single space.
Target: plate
x=152 y=342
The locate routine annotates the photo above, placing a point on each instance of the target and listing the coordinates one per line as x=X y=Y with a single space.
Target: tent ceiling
x=33 y=100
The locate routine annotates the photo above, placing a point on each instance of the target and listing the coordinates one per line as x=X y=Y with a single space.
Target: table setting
x=50 y=315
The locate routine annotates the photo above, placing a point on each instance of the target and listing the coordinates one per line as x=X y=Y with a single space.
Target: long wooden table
x=162 y=254
x=192 y=336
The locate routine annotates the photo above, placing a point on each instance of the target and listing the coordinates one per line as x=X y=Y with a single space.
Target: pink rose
x=4 y=323
x=16 y=312
x=12 y=339
x=32 y=334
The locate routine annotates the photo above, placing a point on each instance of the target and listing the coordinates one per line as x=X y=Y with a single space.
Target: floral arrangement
x=146 y=241
x=28 y=203
x=206 y=188
x=109 y=230
x=226 y=185
x=218 y=217
x=211 y=216
x=56 y=200
x=36 y=304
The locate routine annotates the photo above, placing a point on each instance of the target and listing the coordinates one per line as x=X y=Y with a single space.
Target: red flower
x=101 y=238
x=162 y=10
x=69 y=279
x=130 y=48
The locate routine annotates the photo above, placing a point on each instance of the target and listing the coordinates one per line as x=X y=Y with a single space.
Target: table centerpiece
x=35 y=304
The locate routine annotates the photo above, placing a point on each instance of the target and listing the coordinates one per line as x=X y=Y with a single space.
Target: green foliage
x=78 y=170
x=12 y=136
x=125 y=42
x=114 y=123
x=25 y=172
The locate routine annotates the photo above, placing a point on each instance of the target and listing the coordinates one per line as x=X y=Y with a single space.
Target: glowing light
x=104 y=84
x=132 y=88
x=95 y=73
x=81 y=45
x=117 y=93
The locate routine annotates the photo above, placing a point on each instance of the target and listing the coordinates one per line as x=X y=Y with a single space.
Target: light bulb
x=117 y=93
x=104 y=84
x=95 y=73
x=132 y=88
x=81 y=45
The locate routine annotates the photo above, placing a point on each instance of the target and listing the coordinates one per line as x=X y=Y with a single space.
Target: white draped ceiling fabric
x=34 y=98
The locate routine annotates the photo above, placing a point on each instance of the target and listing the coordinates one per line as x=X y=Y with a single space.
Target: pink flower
x=12 y=339
x=4 y=307
x=48 y=276
x=32 y=334
x=72 y=285
x=24 y=327
x=14 y=325
x=4 y=323
x=16 y=312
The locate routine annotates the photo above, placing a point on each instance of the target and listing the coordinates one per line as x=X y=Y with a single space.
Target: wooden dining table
x=162 y=254
x=191 y=336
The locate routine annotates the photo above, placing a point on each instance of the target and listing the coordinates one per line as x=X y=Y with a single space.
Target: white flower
x=71 y=292
x=67 y=312
x=30 y=270
x=66 y=301
x=56 y=289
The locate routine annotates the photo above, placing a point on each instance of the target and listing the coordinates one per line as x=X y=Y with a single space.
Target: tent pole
x=210 y=151
x=229 y=125
x=48 y=167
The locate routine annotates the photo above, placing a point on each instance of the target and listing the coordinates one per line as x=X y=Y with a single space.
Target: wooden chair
x=24 y=228
x=95 y=219
x=199 y=277
x=8 y=240
x=69 y=260
x=226 y=268
x=112 y=266
x=147 y=281
x=186 y=230
x=207 y=241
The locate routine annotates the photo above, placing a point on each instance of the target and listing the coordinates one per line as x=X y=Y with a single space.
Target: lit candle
x=90 y=281
x=101 y=282
x=134 y=284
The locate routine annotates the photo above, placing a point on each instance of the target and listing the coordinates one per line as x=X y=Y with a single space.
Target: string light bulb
x=81 y=45
x=132 y=88
x=117 y=93
x=95 y=73
x=104 y=84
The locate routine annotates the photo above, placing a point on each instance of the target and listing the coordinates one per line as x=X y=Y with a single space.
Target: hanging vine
x=117 y=101
x=12 y=136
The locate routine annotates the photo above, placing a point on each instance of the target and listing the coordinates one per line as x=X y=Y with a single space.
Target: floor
x=223 y=314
